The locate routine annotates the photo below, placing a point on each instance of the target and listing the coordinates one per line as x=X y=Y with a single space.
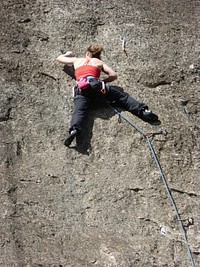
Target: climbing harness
x=147 y=136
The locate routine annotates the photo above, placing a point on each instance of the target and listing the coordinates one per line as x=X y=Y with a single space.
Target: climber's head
x=94 y=50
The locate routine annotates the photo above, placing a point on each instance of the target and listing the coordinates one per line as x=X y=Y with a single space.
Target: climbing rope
x=146 y=136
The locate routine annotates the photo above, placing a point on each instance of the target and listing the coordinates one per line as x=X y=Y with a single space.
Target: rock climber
x=90 y=88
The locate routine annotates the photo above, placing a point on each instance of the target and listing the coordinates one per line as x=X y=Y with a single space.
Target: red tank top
x=87 y=70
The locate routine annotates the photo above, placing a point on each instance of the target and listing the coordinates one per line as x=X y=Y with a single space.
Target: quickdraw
x=103 y=90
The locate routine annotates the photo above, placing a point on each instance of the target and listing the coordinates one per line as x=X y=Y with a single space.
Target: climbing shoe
x=70 y=137
x=148 y=115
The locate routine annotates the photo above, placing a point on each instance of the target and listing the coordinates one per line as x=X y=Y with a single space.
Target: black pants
x=83 y=99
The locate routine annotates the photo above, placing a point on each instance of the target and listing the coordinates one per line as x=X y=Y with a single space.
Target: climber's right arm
x=112 y=75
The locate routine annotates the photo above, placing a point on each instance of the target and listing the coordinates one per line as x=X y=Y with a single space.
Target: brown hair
x=95 y=50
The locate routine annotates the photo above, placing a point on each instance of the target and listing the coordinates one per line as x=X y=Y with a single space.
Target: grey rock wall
x=102 y=203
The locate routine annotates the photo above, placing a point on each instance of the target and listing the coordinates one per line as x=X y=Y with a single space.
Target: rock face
x=102 y=203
